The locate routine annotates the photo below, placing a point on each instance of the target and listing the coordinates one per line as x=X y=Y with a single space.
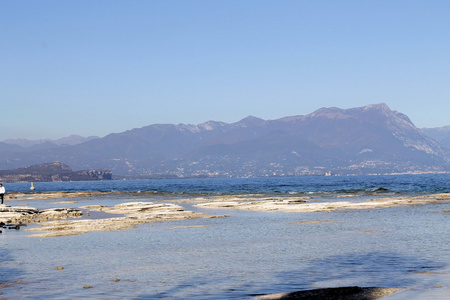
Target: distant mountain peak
x=251 y=121
x=329 y=113
x=384 y=109
x=379 y=106
x=211 y=125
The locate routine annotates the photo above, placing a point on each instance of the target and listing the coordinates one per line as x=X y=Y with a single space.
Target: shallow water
x=248 y=253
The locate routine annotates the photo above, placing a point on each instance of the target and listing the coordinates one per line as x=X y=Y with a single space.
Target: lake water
x=246 y=254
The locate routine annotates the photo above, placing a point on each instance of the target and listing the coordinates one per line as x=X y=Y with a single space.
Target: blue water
x=432 y=183
x=246 y=254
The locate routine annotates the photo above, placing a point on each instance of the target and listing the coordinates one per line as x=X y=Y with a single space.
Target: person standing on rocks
x=2 y=191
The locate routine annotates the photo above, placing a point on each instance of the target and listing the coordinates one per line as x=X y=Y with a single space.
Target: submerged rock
x=339 y=293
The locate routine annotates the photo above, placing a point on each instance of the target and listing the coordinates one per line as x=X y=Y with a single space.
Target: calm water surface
x=246 y=254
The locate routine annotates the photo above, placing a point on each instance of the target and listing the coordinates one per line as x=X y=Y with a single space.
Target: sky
x=95 y=67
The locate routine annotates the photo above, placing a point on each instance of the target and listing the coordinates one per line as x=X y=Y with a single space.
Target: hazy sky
x=93 y=67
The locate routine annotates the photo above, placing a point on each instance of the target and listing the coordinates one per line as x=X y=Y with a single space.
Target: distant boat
x=32 y=187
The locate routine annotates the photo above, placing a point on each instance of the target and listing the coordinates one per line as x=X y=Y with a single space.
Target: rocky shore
x=88 y=214
x=68 y=221
x=126 y=215
x=302 y=204
x=27 y=214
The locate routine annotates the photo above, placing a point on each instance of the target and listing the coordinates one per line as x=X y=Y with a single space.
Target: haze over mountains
x=440 y=134
x=47 y=143
x=366 y=140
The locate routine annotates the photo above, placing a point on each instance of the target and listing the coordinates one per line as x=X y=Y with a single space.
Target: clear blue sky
x=93 y=67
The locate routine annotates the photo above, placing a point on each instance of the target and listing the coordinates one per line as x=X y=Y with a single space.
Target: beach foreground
x=246 y=246
x=78 y=220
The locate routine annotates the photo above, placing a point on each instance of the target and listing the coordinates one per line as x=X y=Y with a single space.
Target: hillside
x=55 y=171
x=440 y=134
x=366 y=140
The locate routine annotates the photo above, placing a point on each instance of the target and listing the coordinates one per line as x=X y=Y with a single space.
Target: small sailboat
x=32 y=187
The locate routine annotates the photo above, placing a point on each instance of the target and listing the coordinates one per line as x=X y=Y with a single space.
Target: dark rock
x=339 y=293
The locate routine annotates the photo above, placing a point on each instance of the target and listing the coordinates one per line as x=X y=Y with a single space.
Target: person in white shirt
x=2 y=192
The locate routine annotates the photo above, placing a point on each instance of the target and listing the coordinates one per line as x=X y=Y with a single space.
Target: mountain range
x=27 y=145
x=365 y=140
